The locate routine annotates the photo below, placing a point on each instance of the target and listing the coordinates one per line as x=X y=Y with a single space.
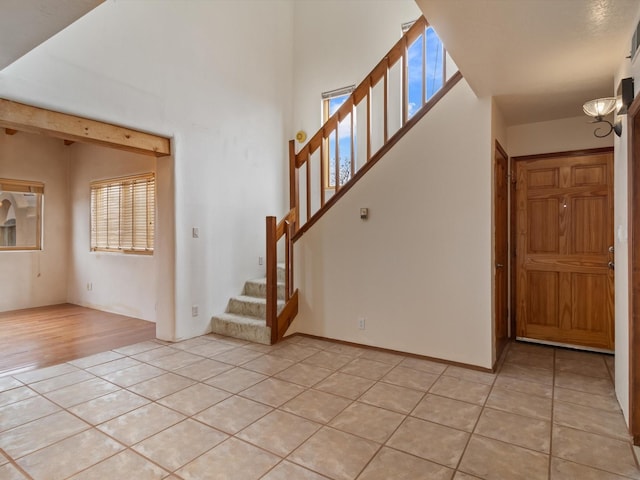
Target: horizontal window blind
x=123 y=214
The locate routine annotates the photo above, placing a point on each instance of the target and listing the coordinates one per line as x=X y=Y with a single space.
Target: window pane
x=332 y=104
x=335 y=103
x=20 y=220
x=415 y=79
x=123 y=214
x=435 y=62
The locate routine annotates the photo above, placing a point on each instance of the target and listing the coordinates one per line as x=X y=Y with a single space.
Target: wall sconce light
x=598 y=109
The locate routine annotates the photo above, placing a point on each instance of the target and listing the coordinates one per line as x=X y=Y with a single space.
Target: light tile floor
x=307 y=409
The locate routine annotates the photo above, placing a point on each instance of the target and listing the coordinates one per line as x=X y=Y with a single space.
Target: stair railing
x=378 y=132
x=279 y=322
x=291 y=227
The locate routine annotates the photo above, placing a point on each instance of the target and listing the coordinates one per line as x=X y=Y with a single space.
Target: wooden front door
x=564 y=236
x=501 y=249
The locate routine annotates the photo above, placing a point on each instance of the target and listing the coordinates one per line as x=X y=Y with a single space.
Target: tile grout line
x=305 y=388
x=475 y=425
x=553 y=412
x=15 y=464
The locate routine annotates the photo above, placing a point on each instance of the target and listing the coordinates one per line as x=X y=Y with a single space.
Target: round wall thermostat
x=301 y=136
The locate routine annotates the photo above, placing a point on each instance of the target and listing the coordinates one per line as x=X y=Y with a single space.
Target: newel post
x=272 y=279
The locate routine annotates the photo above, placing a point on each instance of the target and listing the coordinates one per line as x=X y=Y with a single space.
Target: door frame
x=499 y=348
x=633 y=216
x=512 y=219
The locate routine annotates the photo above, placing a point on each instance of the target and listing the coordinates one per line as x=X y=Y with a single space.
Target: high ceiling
x=540 y=59
x=25 y=24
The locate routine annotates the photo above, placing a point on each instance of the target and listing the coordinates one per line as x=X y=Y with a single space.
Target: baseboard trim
x=399 y=352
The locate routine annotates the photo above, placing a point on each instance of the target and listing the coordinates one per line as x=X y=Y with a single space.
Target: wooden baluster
x=353 y=147
x=272 y=279
x=324 y=170
x=385 y=106
x=369 y=121
x=290 y=264
x=424 y=67
x=287 y=258
x=405 y=82
x=337 y=164
x=308 y=165
x=294 y=179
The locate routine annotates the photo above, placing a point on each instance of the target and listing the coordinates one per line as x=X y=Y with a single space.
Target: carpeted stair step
x=250 y=306
x=258 y=288
x=245 y=328
x=245 y=317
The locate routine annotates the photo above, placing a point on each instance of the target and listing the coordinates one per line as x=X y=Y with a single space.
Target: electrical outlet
x=361 y=323
x=260 y=260
x=194 y=310
x=89 y=286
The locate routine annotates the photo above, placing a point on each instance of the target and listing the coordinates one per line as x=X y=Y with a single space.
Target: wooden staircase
x=265 y=319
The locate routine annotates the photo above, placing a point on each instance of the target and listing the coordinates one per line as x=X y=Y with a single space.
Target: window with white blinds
x=123 y=214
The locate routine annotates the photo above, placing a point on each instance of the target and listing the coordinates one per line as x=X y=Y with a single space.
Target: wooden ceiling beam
x=26 y=118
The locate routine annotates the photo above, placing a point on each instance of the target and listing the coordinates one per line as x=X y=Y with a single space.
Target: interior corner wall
x=621 y=272
x=565 y=134
x=419 y=269
x=498 y=134
x=37 y=278
x=216 y=77
x=621 y=223
x=113 y=282
x=498 y=126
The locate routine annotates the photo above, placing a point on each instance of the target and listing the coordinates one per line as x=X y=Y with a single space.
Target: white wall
x=622 y=258
x=37 y=278
x=419 y=270
x=217 y=77
x=574 y=133
x=121 y=283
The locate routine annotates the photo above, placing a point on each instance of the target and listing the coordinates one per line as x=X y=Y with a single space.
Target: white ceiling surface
x=541 y=59
x=25 y=24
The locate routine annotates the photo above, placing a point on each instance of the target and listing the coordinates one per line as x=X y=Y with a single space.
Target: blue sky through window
x=432 y=81
x=344 y=131
x=433 y=71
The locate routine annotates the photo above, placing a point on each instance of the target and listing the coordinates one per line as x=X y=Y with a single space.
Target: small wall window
x=123 y=214
x=425 y=68
x=331 y=101
x=21 y=214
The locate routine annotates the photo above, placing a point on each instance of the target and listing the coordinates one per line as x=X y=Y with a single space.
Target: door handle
x=499 y=265
x=611 y=265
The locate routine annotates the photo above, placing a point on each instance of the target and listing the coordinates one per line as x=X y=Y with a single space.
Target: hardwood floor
x=40 y=337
